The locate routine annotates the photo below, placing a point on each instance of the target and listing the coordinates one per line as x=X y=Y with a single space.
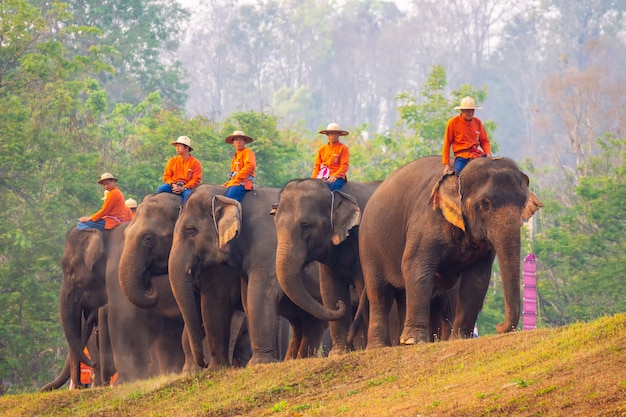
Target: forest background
x=93 y=86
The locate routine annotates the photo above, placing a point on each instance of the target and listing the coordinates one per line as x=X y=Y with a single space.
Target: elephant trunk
x=181 y=273
x=61 y=379
x=507 y=246
x=71 y=322
x=134 y=278
x=289 y=270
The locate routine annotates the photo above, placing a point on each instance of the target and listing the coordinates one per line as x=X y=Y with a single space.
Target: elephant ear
x=93 y=247
x=227 y=215
x=446 y=197
x=345 y=215
x=532 y=202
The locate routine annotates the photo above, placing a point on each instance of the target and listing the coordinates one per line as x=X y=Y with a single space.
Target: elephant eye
x=191 y=231
x=67 y=268
x=148 y=240
x=484 y=205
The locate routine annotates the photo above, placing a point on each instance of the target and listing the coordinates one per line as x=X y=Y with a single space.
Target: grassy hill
x=579 y=370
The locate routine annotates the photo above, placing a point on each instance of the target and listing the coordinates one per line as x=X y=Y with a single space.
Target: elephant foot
x=502 y=328
x=413 y=337
x=339 y=350
x=376 y=344
x=261 y=358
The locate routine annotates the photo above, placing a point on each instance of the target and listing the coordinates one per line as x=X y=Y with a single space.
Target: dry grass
x=579 y=370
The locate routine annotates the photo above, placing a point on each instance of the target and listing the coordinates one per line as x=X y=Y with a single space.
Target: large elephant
x=90 y=267
x=148 y=241
x=72 y=361
x=216 y=230
x=315 y=224
x=424 y=232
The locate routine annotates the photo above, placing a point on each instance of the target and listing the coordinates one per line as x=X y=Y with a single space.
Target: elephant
x=72 y=362
x=216 y=230
x=316 y=224
x=90 y=268
x=147 y=245
x=424 y=231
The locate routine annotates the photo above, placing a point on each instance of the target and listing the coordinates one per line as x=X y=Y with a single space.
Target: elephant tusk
x=189 y=271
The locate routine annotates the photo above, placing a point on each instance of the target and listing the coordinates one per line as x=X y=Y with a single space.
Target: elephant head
x=207 y=224
x=311 y=221
x=83 y=290
x=148 y=240
x=488 y=201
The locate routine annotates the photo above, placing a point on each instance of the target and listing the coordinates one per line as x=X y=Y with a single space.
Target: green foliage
x=581 y=246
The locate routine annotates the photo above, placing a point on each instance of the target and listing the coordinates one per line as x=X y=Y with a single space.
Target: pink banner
x=529 y=304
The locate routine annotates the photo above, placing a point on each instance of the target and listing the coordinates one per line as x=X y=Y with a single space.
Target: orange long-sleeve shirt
x=463 y=136
x=241 y=168
x=114 y=210
x=336 y=157
x=189 y=171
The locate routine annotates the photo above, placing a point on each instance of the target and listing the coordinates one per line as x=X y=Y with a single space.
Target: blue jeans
x=236 y=192
x=459 y=164
x=90 y=225
x=337 y=185
x=167 y=188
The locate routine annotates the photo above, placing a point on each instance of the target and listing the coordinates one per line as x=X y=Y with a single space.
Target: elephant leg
x=313 y=330
x=472 y=291
x=283 y=338
x=216 y=316
x=297 y=333
x=333 y=290
x=262 y=319
x=380 y=295
x=130 y=341
x=168 y=351
x=107 y=364
x=419 y=279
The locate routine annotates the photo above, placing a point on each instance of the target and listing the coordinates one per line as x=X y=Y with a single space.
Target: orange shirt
x=114 y=210
x=463 y=136
x=336 y=157
x=241 y=168
x=86 y=372
x=189 y=171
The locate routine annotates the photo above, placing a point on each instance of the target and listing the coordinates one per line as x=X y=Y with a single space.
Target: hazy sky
x=402 y=4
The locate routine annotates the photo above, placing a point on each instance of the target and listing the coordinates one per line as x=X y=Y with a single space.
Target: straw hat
x=184 y=140
x=467 y=103
x=334 y=128
x=238 y=134
x=106 y=176
x=131 y=203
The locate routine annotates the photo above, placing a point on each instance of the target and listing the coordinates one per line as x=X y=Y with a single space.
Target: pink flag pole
x=529 y=310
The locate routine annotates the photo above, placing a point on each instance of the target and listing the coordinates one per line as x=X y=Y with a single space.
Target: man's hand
x=84 y=219
x=177 y=189
x=332 y=178
x=447 y=170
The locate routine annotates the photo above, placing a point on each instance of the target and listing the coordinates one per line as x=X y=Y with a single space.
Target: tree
x=582 y=245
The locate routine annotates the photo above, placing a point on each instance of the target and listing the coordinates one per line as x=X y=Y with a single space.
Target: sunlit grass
x=544 y=372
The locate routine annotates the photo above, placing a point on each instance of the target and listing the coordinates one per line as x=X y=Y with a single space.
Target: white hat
x=334 y=128
x=131 y=203
x=106 y=176
x=184 y=140
x=238 y=134
x=467 y=103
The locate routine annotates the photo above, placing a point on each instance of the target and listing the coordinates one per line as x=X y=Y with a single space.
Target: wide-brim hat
x=106 y=176
x=334 y=128
x=467 y=103
x=131 y=203
x=238 y=134
x=184 y=140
